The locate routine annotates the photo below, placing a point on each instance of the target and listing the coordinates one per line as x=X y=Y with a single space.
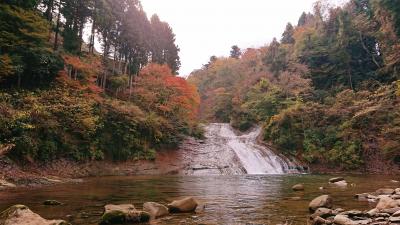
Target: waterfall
x=252 y=156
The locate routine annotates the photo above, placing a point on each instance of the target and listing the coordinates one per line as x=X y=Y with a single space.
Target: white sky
x=210 y=27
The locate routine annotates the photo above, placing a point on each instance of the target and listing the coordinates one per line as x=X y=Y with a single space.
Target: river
x=237 y=180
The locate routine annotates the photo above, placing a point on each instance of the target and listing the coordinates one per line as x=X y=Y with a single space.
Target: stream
x=237 y=180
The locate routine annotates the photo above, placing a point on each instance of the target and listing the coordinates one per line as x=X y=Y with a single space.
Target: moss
x=113 y=217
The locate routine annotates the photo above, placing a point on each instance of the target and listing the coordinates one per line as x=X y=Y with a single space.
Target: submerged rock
x=123 y=214
x=323 y=201
x=345 y=220
x=341 y=183
x=156 y=210
x=52 y=202
x=188 y=204
x=22 y=215
x=298 y=187
x=320 y=221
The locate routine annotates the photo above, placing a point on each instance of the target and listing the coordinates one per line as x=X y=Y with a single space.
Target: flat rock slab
x=22 y=215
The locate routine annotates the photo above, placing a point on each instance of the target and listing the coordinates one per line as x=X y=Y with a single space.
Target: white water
x=253 y=157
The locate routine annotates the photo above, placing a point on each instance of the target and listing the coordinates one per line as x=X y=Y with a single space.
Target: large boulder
x=22 y=215
x=123 y=214
x=386 y=203
x=323 y=201
x=341 y=183
x=323 y=213
x=188 y=204
x=156 y=210
x=298 y=187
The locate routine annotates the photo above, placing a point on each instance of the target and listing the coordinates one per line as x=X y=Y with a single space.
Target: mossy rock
x=52 y=202
x=119 y=217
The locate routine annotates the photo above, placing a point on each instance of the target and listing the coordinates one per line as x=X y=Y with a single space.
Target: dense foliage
x=59 y=98
x=327 y=92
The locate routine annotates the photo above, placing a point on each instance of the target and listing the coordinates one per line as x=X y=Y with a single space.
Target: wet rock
x=52 y=202
x=362 y=197
x=397 y=190
x=385 y=191
x=156 y=210
x=394 y=219
x=22 y=215
x=323 y=201
x=341 y=183
x=352 y=213
x=395 y=196
x=390 y=210
x=298 y=187
x=394 y=181
x=320 y=221
x=322 y=212
x=123 y=214
x=336 y=179
x=345 y=220
x=5 y=184
x=386 y=203
x=188 y=204
x=397 y=213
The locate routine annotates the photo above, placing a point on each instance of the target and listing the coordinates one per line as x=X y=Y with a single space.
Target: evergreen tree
x=287 y=36
x=235 y=52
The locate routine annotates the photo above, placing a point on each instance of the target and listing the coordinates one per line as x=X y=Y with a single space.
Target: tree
x=235 y=52
x=287 y=36
x=302 y=20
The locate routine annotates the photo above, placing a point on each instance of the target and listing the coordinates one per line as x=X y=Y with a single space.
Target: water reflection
x=264 y=199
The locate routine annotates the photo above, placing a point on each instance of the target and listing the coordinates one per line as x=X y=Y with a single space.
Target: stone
x=320 y=221
x=385 y=191
x=52 y=202
x=394 y=181
x=336 y=179
x=352 y=213
x=188 y=204
x=156 y=210
x=395 y=196
x=341 y=183
x=397 y=190
x=390 y=210
x=22 y=215
x=298 y=187
x=323 y=201
x=386 y=203
x=322 y=212
x=394 y=219
x=372 y=212
x=5 y=184
x=397 y=213
x=361 y=197
x=123 y=214
x=345 y=220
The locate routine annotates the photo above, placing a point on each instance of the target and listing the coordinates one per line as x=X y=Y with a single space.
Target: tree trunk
x=55 y=47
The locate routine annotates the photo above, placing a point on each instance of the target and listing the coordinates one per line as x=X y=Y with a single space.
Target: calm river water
x=242 y=199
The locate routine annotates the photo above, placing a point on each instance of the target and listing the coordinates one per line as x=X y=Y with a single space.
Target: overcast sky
x=210 y=27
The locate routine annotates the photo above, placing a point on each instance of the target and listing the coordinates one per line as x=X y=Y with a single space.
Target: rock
x=188 y=204
x=123 y=214
x=336 y=179
x=298 y=187
x=320 y=221
x=361 y=197
x=397 y=190
x=323 y=201
x=341 y=183
x=345 y=220
x=52 y=202
x=385 y=191
x=322 y=212
x=394 y=181
x=352 y=213
x=5 y=184
x=397 y=213
x=156 y=210
x=395 y=196
x=394 y=219
x=390 y=210
x=386 y=203
x=372 y=212
x=22 y=215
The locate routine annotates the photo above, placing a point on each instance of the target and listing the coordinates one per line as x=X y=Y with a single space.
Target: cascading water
x=255 y=158
x=225 y=152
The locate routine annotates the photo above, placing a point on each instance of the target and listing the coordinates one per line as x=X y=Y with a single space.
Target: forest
x=327 y=91
x=61 y=97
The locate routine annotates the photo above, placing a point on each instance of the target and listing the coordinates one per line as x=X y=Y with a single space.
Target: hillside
x=327 y=92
